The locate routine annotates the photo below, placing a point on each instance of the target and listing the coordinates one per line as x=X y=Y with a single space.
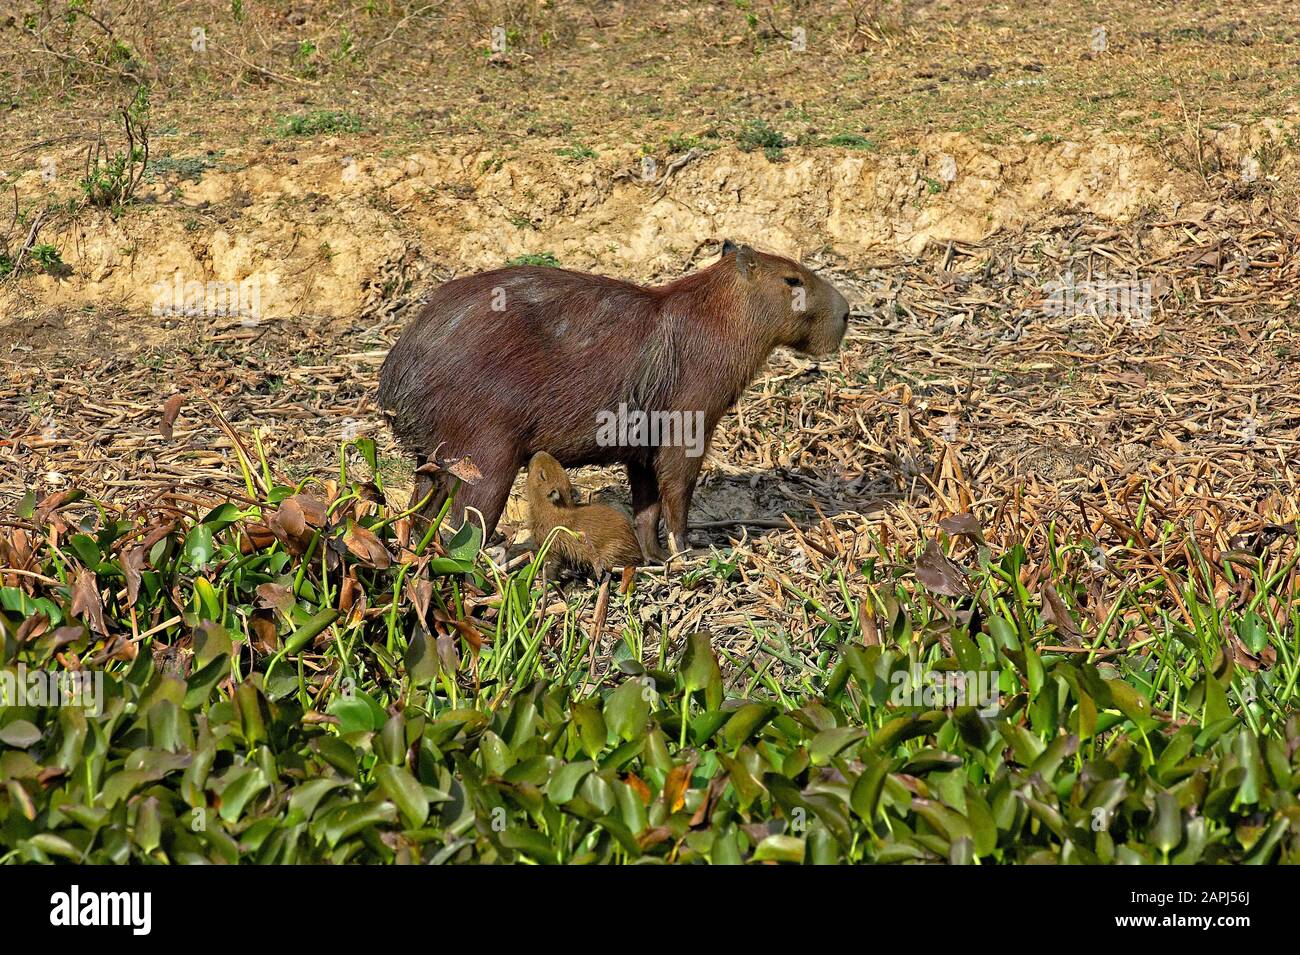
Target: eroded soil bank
x=334 y=228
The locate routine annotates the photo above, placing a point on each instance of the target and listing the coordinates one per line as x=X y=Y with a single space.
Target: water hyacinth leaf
x=448 y=566
x=628 y=708
x=19 y=733
x=564 y=782
x=307 y=796
x=745 y=722
x=241 y=786
x=201 y=683
x=148 y=825
x=208 y=602
x=221 y=516
x=778 y=848
x=865 y=796
x=700 y=670
x=1246 y=749
x=979 y=816
x=349 y=820
x=746 y=785
x=86 y=549
x=309 y=631
x=530 y=843
x=421 y=656
x=1167 y=829
x=358 y=712
x=1004 y=633
x=1132 y=704
x=466 y=543
x=405 y=792
x=1216 y=702
x=968 y=655
x=210 y=641
x=591 y=728
x=199 y=547
x=1253 y=632
x=829 y=743
x=906 y=727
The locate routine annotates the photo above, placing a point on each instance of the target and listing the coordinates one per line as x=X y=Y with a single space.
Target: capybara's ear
x=555 y=497
x=728 y=247
x=746 y=260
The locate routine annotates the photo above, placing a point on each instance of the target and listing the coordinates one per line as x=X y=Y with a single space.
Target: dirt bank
x=327 y=228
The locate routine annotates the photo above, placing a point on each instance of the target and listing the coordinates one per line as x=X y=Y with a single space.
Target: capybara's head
x=547 y=481
x=799 y=309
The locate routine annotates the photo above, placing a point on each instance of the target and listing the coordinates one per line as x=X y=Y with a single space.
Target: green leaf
x=19 y=733
x=780 y=849
x=198 y=547
x=865 y=796
x=309 y=631
x=828 y=743
x=564 y=781
x=403 y=789
x=592 y=732
x=201 y=683
x=358 y=713
x=1253 y=632
x=241 y=786
x=465 y=545
x=745 y=722
x=700 y=671
x=1167 y=831
x=628 y=709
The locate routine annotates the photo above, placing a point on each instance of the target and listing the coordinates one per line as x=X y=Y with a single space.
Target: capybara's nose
x=841 y=307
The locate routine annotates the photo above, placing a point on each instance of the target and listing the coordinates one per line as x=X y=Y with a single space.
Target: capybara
x=503 y=364
x=603 y=537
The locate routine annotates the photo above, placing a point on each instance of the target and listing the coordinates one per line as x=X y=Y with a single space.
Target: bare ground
x=961 y=388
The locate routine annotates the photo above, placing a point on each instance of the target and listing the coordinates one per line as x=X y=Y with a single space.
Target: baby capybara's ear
x=728 y=247
x=555 y=497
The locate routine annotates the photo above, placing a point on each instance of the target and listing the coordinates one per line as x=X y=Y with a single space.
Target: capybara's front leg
x=645 y=509
x=677 y=473
x=488 y=494
x=429 y=488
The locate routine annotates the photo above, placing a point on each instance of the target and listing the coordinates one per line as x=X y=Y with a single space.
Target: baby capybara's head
x=548 y=482
x=799 y=309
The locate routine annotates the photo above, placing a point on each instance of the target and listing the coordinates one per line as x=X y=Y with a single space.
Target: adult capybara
x=501 y=365
x=602 y=537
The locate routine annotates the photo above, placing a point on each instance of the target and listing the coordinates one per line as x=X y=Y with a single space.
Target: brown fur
x=501 y=365
x=604 y=537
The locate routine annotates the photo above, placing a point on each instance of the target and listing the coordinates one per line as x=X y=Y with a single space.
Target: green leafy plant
x=112 y=177
x=319 y=122
x=759 y=134
x=543 y=259
x=577 y=151
x=304 y=673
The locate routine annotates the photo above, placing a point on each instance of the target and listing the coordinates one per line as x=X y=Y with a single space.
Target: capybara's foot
x=654 y=553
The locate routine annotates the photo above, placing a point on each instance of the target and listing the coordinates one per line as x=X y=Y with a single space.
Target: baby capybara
x=501 y=365
x=602 y=537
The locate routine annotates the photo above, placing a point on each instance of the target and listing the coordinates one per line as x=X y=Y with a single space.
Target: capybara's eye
x=793 y=280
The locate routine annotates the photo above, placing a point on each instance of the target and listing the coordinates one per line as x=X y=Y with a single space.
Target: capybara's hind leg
x=645 y=509
x=677 y=475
